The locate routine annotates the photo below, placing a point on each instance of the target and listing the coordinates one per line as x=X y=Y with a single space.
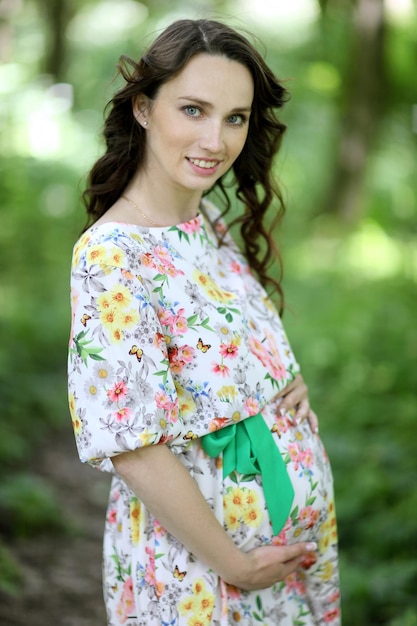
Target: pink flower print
x=162 y=255
x=162 y=400
x=165 y=317
x=123 y=414
x=159 y=342
x=173 y=271
x=112 y=516
x=118 y=391
x=331 y=615
x=334 y=597
x=150 y=567
x=176 y=363
x=252 y=406
x=293 y=584
x=127 y=601
x=159 y=530
x=295 y=454
x=308 y=516
x=277 y=367
x=179 y=324
x=258 y=349
x=280 y=539
x=186 y=353
x=216 y=423
x=172 y=411
x=282 y=424
x=235 y=267
x=233 y=592
x=147 y=260
x=307 y=458
x=190 y=227
x=220 y=369
x=229 y=350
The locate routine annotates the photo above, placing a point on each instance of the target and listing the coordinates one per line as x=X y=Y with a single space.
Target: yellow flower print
x=227 y=393
x=326 y=570
x=120 y=296
x=231 y=520
x=251 y=497
x=77 y=425
x=135 y=511
x=187 y=605
x=109 y=319
x=204 y=605
x=211 y=288
x=147 y=439
x=103 y=301
x=79 y=247
x=116 y=335
x=186 y=403
x=235 y=500
x=199 y=586
x=96 y=255
x=115 y=257
x=197 y=620
x=253 y=516
x=129 y=318
x=328 y=530
x=71 y=402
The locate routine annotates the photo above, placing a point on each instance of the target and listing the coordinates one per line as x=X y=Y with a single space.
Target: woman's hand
x=295 y=396
x=267 y=565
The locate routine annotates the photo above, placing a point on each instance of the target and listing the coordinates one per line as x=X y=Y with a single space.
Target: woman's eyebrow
x=209 y=105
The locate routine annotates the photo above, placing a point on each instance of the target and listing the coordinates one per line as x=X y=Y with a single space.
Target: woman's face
x=198 y=123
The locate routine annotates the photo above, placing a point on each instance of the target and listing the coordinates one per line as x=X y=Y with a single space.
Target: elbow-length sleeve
x=121 y=392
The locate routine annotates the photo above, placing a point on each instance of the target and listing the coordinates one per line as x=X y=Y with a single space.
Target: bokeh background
x=348 y=170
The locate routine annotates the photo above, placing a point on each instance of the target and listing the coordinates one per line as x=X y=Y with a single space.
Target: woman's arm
x=164 y=485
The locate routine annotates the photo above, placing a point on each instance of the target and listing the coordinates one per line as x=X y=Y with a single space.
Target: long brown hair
x=126 y=139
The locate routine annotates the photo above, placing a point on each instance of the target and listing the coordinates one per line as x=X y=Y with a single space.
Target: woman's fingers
x=270 y=564
x=313 y=421
x=295 y=396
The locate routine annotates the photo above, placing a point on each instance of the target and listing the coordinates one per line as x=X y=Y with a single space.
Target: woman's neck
x=164 y=204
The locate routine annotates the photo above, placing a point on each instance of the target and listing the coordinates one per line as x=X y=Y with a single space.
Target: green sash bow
x=248 y=448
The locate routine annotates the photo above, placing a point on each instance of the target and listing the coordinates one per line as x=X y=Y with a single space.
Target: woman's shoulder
x=106 y=241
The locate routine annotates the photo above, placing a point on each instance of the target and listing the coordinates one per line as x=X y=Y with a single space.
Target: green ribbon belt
x=248 y=448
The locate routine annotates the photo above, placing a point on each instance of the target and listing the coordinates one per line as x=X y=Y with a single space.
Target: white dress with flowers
x=173 y=338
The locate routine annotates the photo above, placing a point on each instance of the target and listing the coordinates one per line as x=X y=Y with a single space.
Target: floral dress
x=173 y=339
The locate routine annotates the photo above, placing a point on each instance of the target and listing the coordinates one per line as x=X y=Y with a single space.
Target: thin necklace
x=148 y=219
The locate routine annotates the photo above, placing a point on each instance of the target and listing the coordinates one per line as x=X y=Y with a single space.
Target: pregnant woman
x=182 y=382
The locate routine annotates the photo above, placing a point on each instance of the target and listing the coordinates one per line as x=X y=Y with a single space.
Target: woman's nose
x=212 y=139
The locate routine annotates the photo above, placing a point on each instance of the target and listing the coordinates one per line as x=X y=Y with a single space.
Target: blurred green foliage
x=350 y=285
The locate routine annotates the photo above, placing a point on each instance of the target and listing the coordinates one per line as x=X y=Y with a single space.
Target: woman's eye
x=237 y=120
x=192 y=111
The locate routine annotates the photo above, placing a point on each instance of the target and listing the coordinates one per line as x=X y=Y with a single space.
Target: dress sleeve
x=121 y=393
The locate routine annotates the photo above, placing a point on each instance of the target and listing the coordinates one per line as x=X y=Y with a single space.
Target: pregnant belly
x=245 y=513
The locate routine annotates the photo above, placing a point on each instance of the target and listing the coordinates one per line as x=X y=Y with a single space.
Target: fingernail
x=282 y=411
x=311 y=546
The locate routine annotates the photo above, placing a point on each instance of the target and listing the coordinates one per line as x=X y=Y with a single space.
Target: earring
x=145 y=123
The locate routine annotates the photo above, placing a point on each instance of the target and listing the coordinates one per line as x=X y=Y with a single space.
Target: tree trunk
x=57 y=14
x=360 y=120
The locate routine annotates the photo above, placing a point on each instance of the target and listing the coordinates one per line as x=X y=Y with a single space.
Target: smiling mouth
x=204 y=164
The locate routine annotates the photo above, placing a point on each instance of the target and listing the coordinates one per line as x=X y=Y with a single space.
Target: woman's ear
x=141 y=108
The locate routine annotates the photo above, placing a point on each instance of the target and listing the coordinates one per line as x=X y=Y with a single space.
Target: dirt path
x=62 y=576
